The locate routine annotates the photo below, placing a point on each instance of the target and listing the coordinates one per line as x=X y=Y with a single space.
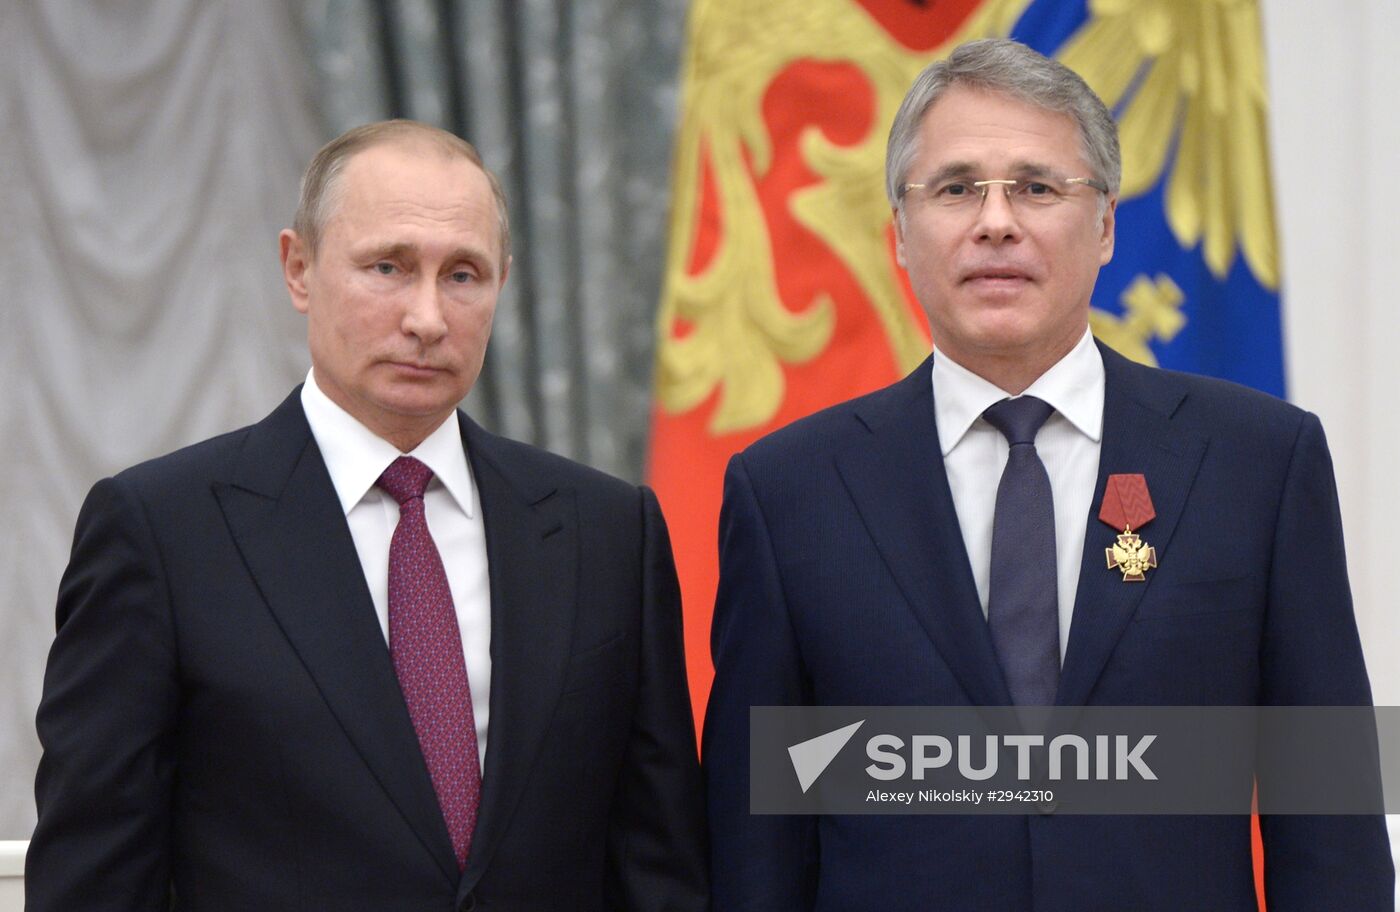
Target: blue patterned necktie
x=1022 y=598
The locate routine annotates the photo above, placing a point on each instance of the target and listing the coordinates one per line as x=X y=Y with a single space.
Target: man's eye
x=955 y=190
x=1036 y=188
x=462 y=277
x=384 y=268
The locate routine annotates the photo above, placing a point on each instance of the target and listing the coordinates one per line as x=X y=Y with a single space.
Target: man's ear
x=898 y=238
x=1106 y=236
x=505 y=272
x=295 y=263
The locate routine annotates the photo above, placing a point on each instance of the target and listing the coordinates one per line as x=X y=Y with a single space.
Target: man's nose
x=424 y=316
x=997 y=218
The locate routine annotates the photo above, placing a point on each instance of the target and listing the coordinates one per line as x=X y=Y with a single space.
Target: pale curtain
x=149 y=149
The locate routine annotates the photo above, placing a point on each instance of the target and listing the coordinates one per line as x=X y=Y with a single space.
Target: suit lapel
x=281 y=508
x=532 y=552
x=1138 y=437
x=895 y=475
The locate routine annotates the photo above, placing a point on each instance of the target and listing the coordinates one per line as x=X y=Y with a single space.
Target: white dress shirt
x=975 y=453
x=356 y=457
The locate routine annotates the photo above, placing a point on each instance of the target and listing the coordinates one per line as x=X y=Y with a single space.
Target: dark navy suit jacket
x=844 y=581
x=221 y=714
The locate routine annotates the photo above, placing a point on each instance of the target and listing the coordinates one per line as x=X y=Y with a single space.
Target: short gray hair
x=321 y=184
x=1010 y=68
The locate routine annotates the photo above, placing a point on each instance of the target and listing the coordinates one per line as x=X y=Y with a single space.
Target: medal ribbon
x=1126 y=503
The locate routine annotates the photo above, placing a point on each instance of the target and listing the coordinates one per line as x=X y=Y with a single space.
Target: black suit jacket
x=221 y=715
x=844 y=580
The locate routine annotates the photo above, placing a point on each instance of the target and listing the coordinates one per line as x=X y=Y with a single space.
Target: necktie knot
x=1018 y=419
x=406 y=479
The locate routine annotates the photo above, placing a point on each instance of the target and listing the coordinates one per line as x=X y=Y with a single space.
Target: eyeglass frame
x=1009 y=184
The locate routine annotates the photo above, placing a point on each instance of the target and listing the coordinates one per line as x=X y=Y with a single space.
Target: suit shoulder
x=1222 y=406
x=543 y=466
x=197 y=463
x=820 y=431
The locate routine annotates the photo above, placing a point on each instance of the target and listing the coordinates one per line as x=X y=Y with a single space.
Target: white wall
x=1334 y=80
x=12 y=876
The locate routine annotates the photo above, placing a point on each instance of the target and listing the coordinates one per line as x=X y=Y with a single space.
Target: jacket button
x=468 y=904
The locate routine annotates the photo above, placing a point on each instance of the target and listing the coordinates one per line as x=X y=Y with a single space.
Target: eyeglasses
x=963 y=195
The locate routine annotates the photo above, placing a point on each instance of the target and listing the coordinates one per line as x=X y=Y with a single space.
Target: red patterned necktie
x=426 y=646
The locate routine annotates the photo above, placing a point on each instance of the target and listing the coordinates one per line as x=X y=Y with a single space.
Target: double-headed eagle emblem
x=1131 y=555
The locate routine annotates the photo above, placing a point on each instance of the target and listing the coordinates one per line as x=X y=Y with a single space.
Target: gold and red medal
x=1128 y=506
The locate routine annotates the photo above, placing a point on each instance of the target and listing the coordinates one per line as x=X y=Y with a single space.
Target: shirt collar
x=355 y=456
x=1074 y=387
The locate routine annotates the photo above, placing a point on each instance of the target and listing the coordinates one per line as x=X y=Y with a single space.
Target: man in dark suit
x=938 y=543
x=281 y=652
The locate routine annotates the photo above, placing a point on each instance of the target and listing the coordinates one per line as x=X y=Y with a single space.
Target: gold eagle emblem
x=1132 y=555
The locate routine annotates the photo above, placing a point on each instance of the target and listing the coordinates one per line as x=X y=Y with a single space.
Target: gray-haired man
x=937 y=543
